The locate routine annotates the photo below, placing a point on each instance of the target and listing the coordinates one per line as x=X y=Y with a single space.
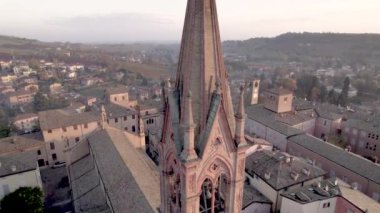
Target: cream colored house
x=62 y=129
x=19 y=98
x=26 y=122
x=120 y=96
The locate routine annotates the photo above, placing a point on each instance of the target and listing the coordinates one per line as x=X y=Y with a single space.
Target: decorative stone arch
x=222 y=167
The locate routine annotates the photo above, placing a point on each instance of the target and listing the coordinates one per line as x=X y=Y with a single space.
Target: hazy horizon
x=125 y=21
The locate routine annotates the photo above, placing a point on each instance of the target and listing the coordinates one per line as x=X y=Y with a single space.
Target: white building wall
x=11 y=183
x=264 y=189
x=290 y=206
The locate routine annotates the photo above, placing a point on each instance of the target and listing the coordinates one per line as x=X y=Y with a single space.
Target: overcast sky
x=162 y=20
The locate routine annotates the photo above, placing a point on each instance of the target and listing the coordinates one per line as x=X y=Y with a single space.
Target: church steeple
x=202 y=154
x=201 y=62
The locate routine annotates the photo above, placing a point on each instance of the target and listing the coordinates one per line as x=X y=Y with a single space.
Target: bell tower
x=202 y=150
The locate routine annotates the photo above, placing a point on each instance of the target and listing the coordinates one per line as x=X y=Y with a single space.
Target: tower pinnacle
x=188 y=126
x=240 y=120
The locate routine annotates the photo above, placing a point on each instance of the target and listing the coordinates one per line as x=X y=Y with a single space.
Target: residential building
x=332 y=195
x=55 y=88
x=254 y=201
x=338 y=162
x=119 y=95
x=122 y=118
x=19 y=170
x=362 y=137
x=25 y=143
x=273 y=172
x=63 y=129
x=26 y=122
x=19 y=98
x=8 y=78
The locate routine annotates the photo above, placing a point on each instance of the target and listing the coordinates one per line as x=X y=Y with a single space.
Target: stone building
x=26 y=122
x=63 y=129
x=340 y=163
x=273 y=173
x=332 y=195
x=202 y=152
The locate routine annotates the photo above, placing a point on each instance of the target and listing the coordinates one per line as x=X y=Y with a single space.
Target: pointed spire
x=201 y=62
x=240 y=120
x=188 y=152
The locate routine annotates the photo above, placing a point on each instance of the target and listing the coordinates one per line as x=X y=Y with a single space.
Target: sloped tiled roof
x=263 y=162
x=54 y=119
x=267 y=118
x=19 y=144
x=348 y=160
x=130 y=179
x=20 y=161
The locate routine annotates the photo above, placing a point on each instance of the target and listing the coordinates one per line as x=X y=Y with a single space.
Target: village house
x=21 y=158
x=64 y=128
x=273 y=172
x=26 y=122
x=119 y=95
x=122 y=118
x=8 y=78
x=328 y=196
x=55 y=88
x=19 y=98
x=362 y=137
x=6 y=90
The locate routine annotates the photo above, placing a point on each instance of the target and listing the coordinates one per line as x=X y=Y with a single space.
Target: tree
x=24 y=199
x=40 y=102
x=343 y=97
x=332 y=97
x=289 y=84
x=314 y=91
x=4 y=131
x=324 y=94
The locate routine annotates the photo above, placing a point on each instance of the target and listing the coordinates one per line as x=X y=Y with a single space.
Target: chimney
x=267 y=175
x=335 y=182
x=376 y=159
x=354 y=186
x=306 y=171
x=294 y=175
